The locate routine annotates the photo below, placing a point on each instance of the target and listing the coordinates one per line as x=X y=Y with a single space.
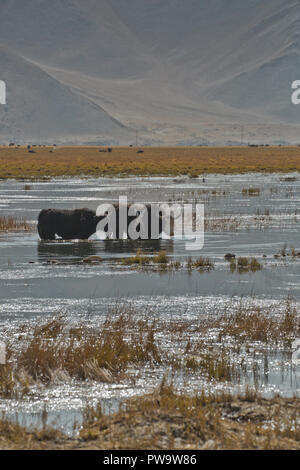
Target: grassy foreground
x=126 y=343
x=46 y=162
x=168 y=420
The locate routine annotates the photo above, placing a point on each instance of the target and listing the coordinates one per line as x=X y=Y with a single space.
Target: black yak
x=82 y=223
x=67 y=224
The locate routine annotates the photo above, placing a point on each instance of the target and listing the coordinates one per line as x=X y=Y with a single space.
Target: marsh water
x=249 y=215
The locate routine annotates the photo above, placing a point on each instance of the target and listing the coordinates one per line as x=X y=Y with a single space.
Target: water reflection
x=131 y=246
x=60 y=250
x=72 y=251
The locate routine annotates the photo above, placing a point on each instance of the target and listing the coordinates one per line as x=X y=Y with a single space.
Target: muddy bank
x=164 y=420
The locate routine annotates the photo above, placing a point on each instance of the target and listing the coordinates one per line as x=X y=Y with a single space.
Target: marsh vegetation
x=14 y=224
x=129 y=340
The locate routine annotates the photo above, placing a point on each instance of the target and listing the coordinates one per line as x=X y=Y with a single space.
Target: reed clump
x=162 y=262
x=244 y=264
x=214 y=364
x=202 y=263
x=101 y=354
x=161 y=258
x=13 y=224
x=14 y=383
x=138 y=259
x=251 y=325
x=158 y=262
x=251 y=191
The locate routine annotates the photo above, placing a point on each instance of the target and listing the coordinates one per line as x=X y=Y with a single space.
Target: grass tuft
x=12 y=224
x=244 y=264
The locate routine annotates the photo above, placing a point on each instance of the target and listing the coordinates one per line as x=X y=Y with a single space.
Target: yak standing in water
x=67 y=224
x=81 y=223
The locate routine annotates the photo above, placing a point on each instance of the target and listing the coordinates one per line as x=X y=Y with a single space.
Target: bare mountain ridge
x=40 y=108
x=178 y=72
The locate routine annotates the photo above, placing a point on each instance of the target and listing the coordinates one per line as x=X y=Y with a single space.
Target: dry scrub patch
x=15 y=437
x=168 y=420
x=128 y=341
x=12 y=224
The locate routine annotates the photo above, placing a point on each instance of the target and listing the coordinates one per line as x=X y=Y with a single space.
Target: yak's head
x=88 y=222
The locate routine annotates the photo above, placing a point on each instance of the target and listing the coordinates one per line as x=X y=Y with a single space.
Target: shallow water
x=45 y=278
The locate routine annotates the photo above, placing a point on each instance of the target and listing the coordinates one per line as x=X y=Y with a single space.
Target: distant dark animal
x=140 y=151
x=229 y=256
x=82 y=223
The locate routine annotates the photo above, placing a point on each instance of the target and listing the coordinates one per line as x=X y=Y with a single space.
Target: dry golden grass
x=161 y=261
x=166 y=419
x=259 y=325
x=251 y=192
x=14 y=382
x=101 y=354
x=158 y=262
x=202 y=264
x=14 y=437
x=193 y=161
x=129 y=340
x=243 y=265
x=57 y=350
x=12 y=224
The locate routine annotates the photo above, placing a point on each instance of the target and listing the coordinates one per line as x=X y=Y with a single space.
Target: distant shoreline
x=40 y=162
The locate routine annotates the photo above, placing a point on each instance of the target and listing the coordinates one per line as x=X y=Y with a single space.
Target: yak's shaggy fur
x=67 y=224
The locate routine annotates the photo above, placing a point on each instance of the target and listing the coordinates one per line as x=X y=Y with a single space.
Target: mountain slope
x=41 y=109
x=191 y=71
